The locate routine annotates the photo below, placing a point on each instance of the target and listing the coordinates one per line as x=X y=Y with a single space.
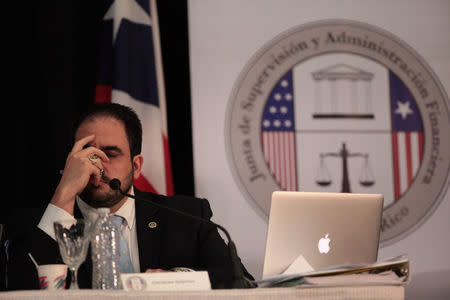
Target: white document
x=167 y=281
x=299 y=265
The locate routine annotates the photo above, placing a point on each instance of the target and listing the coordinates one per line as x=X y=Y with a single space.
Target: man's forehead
x=99 y=123
x=107 y=130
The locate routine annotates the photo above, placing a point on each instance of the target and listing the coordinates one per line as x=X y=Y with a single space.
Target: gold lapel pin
x=152 y=224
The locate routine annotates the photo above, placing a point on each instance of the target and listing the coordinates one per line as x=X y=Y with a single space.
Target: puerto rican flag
x=407 y=135
x=278 y=134
x=130 y=73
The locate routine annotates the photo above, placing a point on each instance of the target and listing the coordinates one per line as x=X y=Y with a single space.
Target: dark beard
x=108 y=200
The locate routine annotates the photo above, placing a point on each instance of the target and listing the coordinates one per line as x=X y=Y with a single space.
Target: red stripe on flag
x=409 y=167
x=143 y=184
x=282 y=161
x=102 y=93
x=293 y=151
x=420 y=135
x=278 y=160
x=270 y=161
x=290 y=162
x=286 y=161
x=168 y=167
x=396 y=166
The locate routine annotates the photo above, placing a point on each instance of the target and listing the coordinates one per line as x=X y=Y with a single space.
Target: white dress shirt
x=127 y=210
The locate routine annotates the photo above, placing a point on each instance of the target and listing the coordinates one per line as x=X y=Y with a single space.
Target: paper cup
x=52 y=277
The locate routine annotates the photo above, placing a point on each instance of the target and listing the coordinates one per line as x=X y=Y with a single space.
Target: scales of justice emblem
x=323 y=176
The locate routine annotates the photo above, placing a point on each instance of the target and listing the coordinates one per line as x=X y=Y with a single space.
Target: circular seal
x=342 y=106
x=136 y=283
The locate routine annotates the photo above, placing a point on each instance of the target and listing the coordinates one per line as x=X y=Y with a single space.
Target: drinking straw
x=32 y=259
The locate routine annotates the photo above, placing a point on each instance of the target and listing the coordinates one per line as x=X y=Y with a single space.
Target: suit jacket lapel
x=149 y=227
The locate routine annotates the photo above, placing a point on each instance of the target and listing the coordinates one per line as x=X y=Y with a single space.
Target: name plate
x=166 y=281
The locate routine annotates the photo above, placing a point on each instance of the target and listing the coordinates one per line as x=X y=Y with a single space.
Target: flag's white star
x=288 y=96
x=403 y=109
x=126 y=9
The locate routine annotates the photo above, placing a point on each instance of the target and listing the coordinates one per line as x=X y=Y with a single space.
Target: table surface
x=336 y=292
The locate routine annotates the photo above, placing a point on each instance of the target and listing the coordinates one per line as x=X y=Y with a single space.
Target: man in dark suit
x=107 y=144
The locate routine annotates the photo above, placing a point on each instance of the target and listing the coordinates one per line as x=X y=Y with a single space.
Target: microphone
x=114 y=184
x=239 y=281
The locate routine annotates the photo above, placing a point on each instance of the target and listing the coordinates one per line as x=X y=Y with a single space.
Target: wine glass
x=73 y=241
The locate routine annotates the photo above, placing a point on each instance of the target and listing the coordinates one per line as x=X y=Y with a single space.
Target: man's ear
x=138 y=161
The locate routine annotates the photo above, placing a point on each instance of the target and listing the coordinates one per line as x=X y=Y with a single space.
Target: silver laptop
x=326 y=229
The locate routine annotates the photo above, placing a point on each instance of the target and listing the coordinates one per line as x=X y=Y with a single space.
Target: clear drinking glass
x=73 y=241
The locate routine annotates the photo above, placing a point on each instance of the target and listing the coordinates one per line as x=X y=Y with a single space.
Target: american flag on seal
x=407 y=135
x=130 y=73
x=278 y=133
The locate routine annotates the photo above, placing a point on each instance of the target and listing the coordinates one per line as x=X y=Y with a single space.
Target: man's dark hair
x=122 y=113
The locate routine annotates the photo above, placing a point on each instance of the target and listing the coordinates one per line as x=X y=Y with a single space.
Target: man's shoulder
x=182 y=202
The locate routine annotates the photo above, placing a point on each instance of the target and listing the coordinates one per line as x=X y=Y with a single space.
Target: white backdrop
x=224 y=35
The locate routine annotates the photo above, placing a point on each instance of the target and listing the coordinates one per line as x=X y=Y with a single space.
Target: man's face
x=111 y=138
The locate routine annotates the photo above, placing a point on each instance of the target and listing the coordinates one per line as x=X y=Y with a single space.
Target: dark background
x=50 y=66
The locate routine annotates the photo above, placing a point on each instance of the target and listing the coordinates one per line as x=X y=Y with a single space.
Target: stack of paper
x=394 y=271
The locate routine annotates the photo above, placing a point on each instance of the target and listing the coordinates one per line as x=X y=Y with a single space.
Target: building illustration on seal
x=343 y=91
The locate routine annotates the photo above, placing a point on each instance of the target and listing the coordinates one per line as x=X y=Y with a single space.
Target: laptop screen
x=321 y=230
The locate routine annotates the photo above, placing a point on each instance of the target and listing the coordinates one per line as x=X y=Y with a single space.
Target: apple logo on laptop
x=324 y=244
